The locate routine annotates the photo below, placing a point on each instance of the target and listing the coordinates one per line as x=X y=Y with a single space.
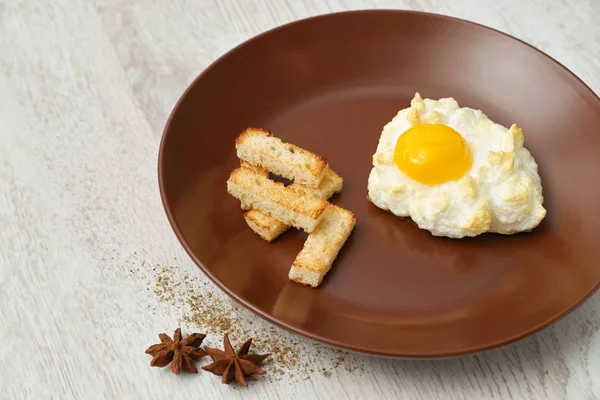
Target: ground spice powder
x=202 y=307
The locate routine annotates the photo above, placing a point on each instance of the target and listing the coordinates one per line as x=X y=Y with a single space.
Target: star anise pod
x=181 y=352
x=232 y=365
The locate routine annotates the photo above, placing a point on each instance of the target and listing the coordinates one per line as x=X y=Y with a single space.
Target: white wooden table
x=85 y=90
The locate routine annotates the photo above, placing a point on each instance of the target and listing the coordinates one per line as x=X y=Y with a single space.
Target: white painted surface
x=85 y=89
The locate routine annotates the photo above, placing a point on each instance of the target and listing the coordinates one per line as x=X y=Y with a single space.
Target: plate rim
x=301 y=331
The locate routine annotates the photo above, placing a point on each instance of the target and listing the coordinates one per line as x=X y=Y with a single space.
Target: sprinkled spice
x=201 y=306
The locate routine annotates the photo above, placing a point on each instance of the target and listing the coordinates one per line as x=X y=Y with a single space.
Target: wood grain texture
x=86 y=87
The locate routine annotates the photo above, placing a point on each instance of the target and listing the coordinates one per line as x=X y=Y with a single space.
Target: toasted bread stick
x=270 y=228
x=264 y=225
x=288 y=205
x=259 y=147
x=322 y=246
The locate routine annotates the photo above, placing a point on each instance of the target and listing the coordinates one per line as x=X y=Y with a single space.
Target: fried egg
x=455 y=172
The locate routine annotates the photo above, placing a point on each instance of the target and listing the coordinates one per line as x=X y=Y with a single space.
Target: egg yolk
x=432 y=154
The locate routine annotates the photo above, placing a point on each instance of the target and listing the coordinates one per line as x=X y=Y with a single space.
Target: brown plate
x=329 y=84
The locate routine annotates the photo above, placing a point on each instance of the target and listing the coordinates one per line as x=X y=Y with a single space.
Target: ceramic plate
x=329 y=84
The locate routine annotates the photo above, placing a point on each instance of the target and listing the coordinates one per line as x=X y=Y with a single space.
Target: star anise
x=233 y=365
x=181 y=352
